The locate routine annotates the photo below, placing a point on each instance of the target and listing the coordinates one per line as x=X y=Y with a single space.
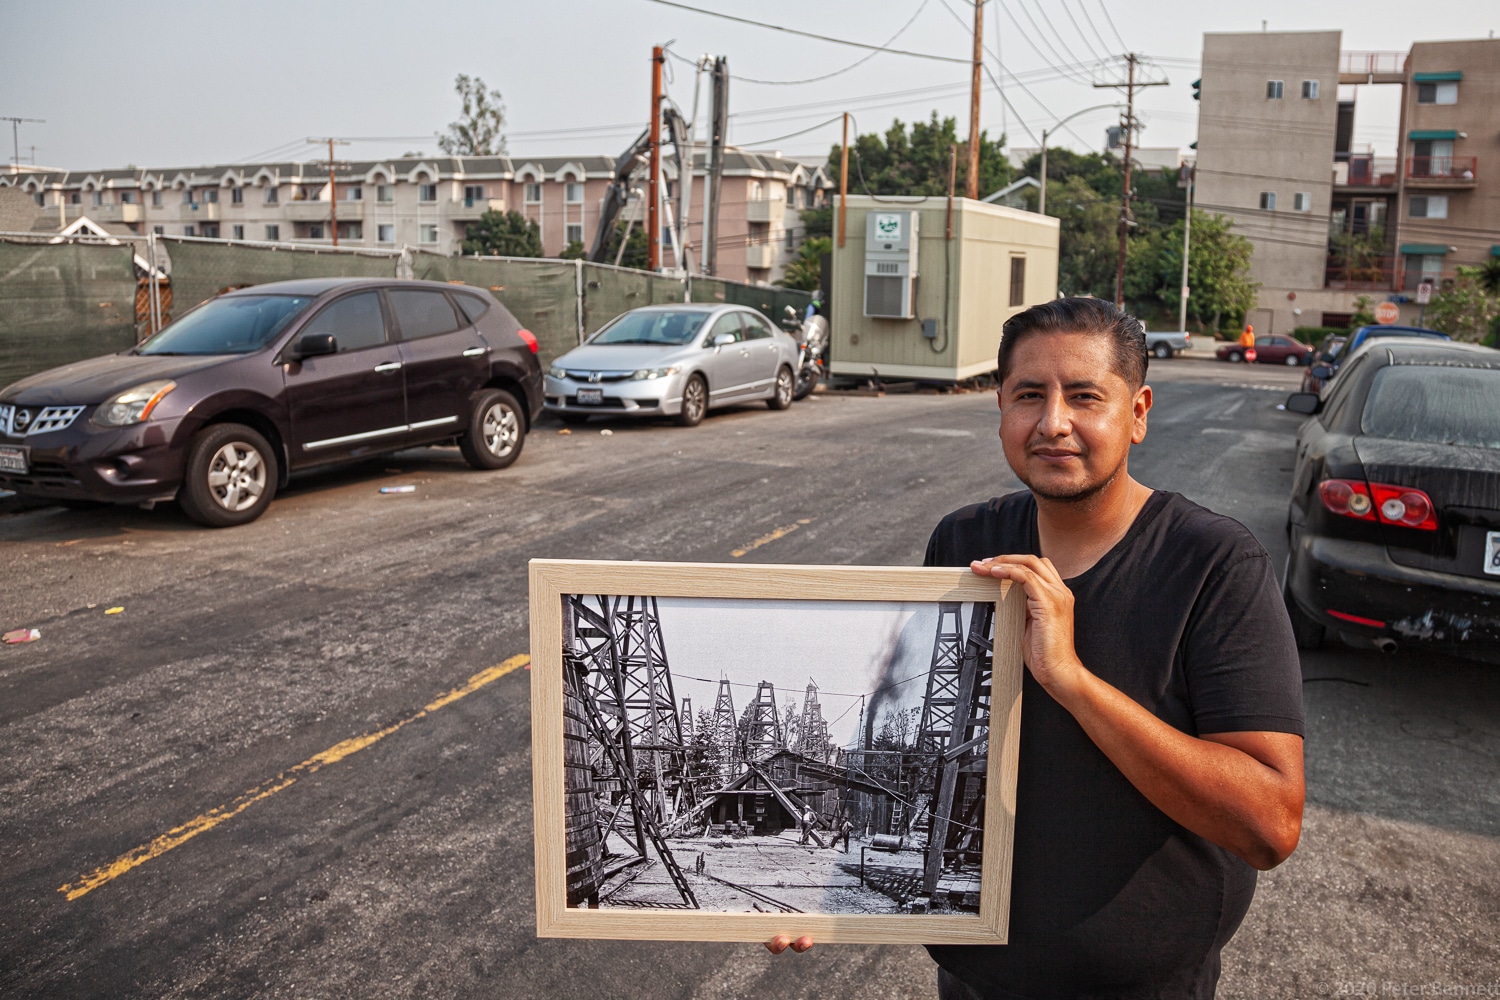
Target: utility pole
x=1187 y=229
x=1130 y=85
x=333 y=188
x=718 y=131
x=972 y=185
x=843 y=178
x=653 y=185
x=15 y=134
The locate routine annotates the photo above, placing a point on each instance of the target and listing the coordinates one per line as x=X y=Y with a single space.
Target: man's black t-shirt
x=1109 y=897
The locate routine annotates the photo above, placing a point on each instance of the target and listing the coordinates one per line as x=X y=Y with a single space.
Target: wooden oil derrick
x=724 y=729
x=762 y=725
x=812 y=728
x=960 y=771
x=942 y=680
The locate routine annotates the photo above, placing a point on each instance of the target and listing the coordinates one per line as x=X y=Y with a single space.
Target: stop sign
x=1387 y=312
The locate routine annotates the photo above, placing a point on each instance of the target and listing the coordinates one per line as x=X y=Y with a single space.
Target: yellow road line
x=180 y=835
x=780 y=532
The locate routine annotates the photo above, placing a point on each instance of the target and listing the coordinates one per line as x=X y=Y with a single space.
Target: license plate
x=590 y=397
x=13 y=460
x=1492 y=553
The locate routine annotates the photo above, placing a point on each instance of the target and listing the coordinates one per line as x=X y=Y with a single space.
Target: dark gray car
x=221 y=406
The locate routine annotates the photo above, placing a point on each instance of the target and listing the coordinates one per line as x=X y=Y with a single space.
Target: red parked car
x=1270 y=349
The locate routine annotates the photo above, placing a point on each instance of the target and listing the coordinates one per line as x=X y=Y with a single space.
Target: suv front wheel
x=230 y=477
x=496 y=433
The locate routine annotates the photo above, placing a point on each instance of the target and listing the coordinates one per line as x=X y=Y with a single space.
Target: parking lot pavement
x=297 y=763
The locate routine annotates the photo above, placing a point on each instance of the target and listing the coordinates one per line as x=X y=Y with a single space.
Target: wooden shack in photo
x=921 y=287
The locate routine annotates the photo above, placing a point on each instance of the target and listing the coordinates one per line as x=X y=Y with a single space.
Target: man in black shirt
x=1161 y=723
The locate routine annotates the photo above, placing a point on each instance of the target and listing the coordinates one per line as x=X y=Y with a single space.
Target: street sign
x=1387 y=313
x=1424 y=293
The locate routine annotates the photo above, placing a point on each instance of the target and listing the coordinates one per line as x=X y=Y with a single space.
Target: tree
x=1218 y=263
x=480 y=130
x=637 y=253
x=916 y=162
x=805 y=270
x=574 y=251
x=1088 y=237
x=1463 y=309
x=503 y=234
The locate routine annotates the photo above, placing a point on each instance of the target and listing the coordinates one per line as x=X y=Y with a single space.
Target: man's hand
x=1048 y=642
x=781 y=942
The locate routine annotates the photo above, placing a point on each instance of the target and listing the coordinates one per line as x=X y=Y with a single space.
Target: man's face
x=1067 y=418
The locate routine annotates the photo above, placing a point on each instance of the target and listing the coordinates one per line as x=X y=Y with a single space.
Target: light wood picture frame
x=644 y=832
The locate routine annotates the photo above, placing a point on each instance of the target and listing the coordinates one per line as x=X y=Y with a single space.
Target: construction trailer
x=920 y=291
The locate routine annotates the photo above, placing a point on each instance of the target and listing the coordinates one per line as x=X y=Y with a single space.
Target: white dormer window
x=533 y=194
x=573 y=193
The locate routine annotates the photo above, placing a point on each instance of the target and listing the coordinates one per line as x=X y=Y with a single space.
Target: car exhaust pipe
x=1386 y=644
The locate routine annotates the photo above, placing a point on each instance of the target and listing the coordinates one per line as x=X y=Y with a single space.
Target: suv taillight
x=1404 y=507
x=1399 y=506
x=1347 y=498
x=529 y=337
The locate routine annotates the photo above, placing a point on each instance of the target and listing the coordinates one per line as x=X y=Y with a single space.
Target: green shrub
x=1314 y=335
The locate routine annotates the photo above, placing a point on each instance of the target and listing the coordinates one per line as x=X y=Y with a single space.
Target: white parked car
x=674 y=360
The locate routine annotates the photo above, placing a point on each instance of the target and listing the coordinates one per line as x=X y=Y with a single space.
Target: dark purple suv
x=220 y=407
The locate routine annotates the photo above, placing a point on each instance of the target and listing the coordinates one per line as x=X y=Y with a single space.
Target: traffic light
x=1198 y=89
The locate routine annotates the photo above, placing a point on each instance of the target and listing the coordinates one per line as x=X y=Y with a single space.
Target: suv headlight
x=645 y=373
x=133 y=405
x=557 y=372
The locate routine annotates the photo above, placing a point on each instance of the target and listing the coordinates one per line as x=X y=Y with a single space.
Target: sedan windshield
x=1437 y=405
x=652 y=326
x=235 y=324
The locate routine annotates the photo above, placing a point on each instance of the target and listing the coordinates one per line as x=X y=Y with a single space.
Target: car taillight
x=1400 y=506
x=529 y=337
x=1404 y=507
x=1348 y=498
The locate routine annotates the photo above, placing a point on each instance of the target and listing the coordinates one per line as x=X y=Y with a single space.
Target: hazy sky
x=193 y=83
x=848 y=647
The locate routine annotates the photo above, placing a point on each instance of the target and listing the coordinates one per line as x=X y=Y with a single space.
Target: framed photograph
x=731 y=752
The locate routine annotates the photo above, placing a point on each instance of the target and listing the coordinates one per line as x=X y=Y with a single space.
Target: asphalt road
x=184 y=770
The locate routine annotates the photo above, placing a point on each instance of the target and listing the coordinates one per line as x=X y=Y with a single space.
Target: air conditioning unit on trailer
x=890 y=264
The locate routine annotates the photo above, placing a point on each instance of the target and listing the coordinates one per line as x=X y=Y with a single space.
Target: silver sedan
x=674 y=360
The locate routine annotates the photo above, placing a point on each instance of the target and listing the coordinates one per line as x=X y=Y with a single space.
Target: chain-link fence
x=61 y=302
x=78 y=298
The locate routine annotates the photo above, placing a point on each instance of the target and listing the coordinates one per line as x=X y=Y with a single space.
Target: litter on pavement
x=113 y=611
x=20 y=635
x=565 y=430
x=398 y=489
x=606 y=433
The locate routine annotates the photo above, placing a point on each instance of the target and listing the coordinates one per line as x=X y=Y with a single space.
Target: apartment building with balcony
x=426 y=202
x=1330 y=221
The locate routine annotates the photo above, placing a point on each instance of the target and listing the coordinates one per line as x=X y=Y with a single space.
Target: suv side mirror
x=723 y=339
x=1324 y=372
x=790 y=312
x=312 y=345
x=1303 y=402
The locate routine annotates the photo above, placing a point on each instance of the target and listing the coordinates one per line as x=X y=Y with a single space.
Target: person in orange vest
x=1247 y=341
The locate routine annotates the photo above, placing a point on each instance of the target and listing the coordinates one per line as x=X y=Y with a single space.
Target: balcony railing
x=1372 y=63
x=1381 y=274
x=1463 y=169
x=1363 y=170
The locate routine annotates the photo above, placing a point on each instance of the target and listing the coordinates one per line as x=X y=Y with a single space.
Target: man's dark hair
x=1081 y=315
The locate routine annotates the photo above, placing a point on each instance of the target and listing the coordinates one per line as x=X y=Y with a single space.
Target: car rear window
x=652 y=326
x=1435 y=404
x=233 y=324
x=422 y=313
x=474 y=306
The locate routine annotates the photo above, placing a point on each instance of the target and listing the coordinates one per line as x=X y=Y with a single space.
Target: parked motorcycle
x=812 y=339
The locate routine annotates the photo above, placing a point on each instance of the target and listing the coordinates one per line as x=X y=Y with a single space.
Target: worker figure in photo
x=1161 y=744
x=846 y=830
x=1247 y=341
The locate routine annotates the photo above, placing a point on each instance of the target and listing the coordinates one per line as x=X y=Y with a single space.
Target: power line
x=1060 y=40
x=1082 y=6
x=1078 y=28
x=812 y=35
x=1061 y=59
x=838 y=72
x=1112 y=27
